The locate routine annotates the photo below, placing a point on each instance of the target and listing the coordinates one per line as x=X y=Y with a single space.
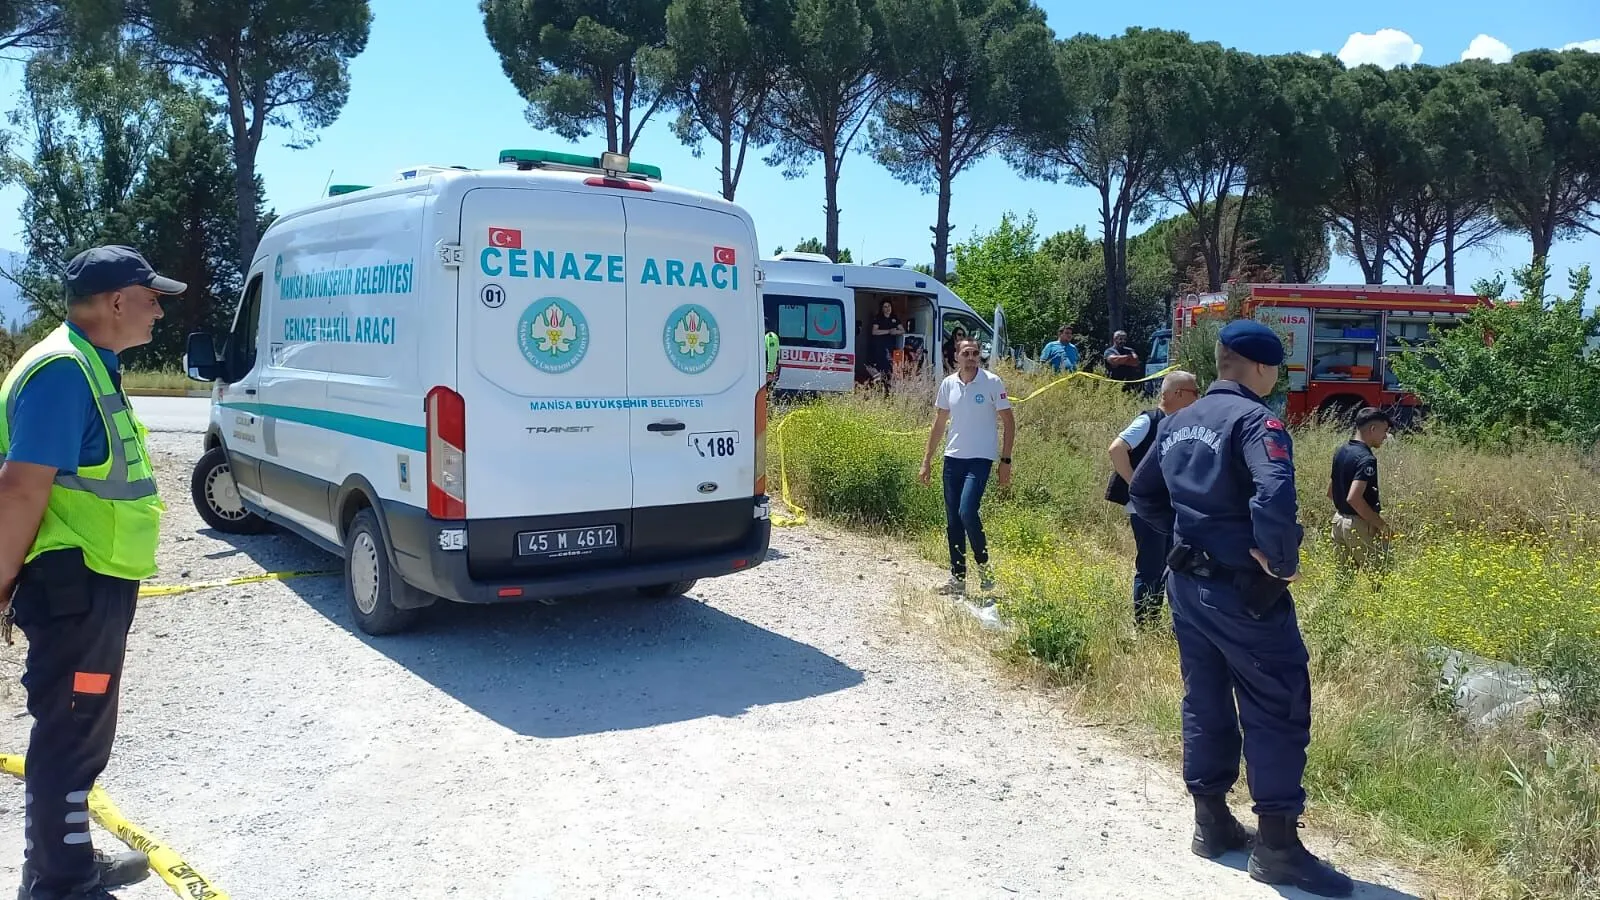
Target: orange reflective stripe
x=90 y=682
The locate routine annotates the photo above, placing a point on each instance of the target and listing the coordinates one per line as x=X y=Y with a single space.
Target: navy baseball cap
x=1253 y=341
x=99 y=270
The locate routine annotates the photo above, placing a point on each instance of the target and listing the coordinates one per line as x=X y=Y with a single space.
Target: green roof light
x=338 y=189
x=534 y=158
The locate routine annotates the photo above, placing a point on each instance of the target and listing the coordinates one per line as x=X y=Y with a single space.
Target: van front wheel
x=664 y=591
x=370 y=583
x=216 y=496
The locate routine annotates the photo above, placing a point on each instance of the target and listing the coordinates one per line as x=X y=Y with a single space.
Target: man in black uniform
x=1220 y=480
x=1359 y=531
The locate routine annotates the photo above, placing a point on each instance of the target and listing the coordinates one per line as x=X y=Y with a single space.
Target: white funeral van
x=822 y=313
x=528 y=382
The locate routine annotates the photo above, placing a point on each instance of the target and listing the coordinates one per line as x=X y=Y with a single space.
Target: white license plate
x=567 y=541
x=715 y=444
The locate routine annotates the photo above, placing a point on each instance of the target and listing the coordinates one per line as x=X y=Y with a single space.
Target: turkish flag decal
x=724 y=255
x=510 y=238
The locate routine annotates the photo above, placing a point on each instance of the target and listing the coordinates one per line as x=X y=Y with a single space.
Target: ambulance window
x=241 y=353
x=806 y=321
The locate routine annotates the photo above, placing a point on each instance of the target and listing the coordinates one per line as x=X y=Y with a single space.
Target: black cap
x=1253 y=341
x=99 y=270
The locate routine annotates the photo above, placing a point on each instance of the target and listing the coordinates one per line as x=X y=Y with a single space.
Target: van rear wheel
x=217 y=499
x=370 y=582
x=665 y=591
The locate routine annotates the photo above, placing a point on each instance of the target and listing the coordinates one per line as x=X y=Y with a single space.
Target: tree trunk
x=941 y=231
x=1108 y=249
x=1450 y=245
x=244 y=187
x=729 y=184
x=1120 y=301
x=830 y=209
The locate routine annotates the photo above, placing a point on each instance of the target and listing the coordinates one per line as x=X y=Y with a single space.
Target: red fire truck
x=1339 y=338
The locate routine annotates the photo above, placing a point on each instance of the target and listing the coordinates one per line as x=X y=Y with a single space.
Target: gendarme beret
x=1253 y=341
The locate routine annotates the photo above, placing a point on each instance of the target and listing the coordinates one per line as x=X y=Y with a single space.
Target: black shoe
x=1280 y=859
x=116 y=870
x=1216 y=831
x=121 y=869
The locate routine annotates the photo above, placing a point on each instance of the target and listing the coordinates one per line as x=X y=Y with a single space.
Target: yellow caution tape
x=168 y=590
x=799 y=517
x=164 y=861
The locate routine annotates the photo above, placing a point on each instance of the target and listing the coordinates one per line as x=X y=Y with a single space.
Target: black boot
x=1216 y=831
x=116 y=870
x=1279 y=858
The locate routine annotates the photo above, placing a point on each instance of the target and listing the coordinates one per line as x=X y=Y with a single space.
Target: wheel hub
x=222 y=494
x=364 y=573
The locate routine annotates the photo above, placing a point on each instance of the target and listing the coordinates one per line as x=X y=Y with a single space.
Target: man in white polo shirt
x=969 y=401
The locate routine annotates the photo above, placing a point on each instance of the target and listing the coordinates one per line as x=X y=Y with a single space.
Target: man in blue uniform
x=1220 y=480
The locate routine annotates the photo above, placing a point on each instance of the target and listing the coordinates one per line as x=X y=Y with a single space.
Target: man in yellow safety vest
x=79 y=532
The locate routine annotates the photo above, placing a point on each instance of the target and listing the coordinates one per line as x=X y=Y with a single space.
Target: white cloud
x=1486 y=47
x=1386 y=49
x=1315 y=54
x=1591 y=46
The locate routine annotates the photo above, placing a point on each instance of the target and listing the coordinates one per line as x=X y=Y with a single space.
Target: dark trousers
x=964 y=481
x=1149 y=567
x=1226 y=656
x=76 y=622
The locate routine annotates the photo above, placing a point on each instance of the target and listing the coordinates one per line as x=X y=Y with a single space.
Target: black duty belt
x=1260 y=591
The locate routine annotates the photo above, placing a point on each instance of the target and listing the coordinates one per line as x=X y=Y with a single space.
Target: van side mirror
x=200 y=358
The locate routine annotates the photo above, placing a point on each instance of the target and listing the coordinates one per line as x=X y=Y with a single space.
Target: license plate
x=567 y=541
x=715 y=444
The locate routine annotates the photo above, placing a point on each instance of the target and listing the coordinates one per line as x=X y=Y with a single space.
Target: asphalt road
x=173 y=414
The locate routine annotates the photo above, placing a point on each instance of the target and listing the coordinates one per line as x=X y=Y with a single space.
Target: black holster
x=1259 y=591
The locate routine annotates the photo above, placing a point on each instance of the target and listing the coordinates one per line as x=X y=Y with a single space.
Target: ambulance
x=491 y=385
x=822 y=312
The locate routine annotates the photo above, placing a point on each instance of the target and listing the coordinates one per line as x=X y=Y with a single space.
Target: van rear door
x=695 y=364
x=813 y=324
x=542 y=359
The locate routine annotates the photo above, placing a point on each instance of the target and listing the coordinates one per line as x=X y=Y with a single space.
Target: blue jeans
x=1149 y=567
x=964 y=481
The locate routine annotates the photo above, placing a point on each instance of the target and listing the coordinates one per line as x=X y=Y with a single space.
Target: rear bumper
x=422 y=559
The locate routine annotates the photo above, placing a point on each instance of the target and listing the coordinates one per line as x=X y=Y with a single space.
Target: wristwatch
x=1005 y=460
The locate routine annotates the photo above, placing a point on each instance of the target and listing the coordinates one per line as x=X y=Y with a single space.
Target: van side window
x=806 y=321
x=241 y=352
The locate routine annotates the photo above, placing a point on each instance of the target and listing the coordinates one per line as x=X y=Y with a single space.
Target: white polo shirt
x=974 y=431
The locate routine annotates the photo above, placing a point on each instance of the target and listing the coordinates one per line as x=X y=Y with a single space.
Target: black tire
x=370 y=582
x=216 y=497
x=665 y=591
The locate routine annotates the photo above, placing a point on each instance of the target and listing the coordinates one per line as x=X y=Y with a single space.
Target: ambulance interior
x=921 y=350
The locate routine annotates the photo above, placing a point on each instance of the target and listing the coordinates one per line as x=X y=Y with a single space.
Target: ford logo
x=707 y=487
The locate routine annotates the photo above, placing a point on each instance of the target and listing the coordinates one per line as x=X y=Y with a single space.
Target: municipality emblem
x=691 y=339
x=553 y=335
x=277 y=269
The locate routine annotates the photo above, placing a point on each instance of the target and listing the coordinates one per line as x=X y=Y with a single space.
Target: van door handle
x=250 y=391
x=661 y=427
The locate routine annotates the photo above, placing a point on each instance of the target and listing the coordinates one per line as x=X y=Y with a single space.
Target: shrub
x=1514 y=372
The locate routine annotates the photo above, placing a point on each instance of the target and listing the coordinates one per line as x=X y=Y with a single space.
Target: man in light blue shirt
x=1061 y=354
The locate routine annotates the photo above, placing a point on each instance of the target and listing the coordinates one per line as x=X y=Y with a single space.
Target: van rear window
x=806 y=321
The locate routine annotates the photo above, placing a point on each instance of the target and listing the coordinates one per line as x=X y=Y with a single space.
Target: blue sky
x=429 y=89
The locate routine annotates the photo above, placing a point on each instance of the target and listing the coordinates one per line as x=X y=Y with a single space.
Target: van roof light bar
x=525 y=160
x=338 y=189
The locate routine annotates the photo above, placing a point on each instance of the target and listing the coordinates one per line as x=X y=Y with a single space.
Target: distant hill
x=12 y=307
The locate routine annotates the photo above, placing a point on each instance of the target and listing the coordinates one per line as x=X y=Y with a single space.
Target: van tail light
x=447 y=454
x=761 y=442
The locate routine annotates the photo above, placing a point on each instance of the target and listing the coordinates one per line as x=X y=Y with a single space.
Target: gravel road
x=788 y=732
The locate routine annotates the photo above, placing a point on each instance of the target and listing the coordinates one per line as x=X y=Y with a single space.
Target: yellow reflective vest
x=110 y=510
